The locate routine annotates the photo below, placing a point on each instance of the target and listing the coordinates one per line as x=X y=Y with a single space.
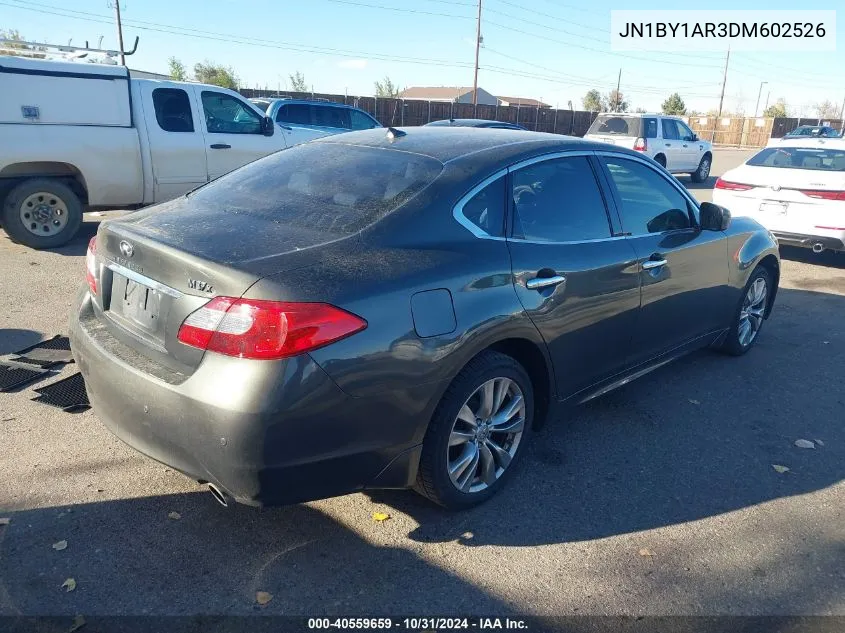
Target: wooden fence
x=750 y=131
x=407 y=112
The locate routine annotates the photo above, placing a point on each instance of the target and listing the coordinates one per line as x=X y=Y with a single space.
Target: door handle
x=685 y=145
x=668 y=144
x=538 y=283
x=220 y=146
x=650 y=264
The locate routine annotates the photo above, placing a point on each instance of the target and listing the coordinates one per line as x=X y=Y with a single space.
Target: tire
x=60 y=213
x=735 y=342
x=490 y=447
x=660 y=159
x=703 y=172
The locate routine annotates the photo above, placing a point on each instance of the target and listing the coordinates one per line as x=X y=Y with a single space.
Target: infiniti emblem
x=126 y=248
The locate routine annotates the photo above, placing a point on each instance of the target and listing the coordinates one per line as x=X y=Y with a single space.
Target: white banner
x=716 y=30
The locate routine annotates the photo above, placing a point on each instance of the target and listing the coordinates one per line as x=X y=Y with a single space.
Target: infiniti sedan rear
x=402 y=308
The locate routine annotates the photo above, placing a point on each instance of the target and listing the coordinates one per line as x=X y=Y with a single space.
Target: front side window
x=295 y=114
x=650 y=204
x=486 y=209
x=558 y=201
x=225 y=114
x=684 y=131
x=670 y=130
x=361 y=121
x=173 y=110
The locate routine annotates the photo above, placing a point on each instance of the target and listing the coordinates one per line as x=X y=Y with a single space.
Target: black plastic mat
x=13 y=376
x=49 y=353
x=67 y=394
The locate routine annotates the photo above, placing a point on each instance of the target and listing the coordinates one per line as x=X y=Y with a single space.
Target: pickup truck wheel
x=41 y=213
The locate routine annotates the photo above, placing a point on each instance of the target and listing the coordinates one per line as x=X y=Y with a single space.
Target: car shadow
x=78 y=246
x=692 y=440
x=13 y=339
x=829 y=259
x=707 y=184
x=136 y=557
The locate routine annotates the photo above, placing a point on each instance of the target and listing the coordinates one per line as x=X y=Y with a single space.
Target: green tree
x=177 y=69
x=298 y=83
x=592 y=101
x=387 y=88
x=615 y=102
x=777 y=109
x=216 y=75
x=18 y=49
x=640 y=110
x=674 y=105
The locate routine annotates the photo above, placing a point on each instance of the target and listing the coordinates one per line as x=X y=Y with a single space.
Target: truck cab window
x=173 y=110
x=224 y=114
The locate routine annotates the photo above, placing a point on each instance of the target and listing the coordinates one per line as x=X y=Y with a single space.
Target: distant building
x=461 y=94
x=447 y=94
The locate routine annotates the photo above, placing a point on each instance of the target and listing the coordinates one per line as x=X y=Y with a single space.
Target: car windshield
x=823 y=159
x=331 y=187
x=616 y=125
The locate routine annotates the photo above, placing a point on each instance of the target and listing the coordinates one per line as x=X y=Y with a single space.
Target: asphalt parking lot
x=659 y=498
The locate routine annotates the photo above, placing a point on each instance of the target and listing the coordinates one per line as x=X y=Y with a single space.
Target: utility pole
x=477 y=50
x=842 y=111
x=722 y=96
x=765 y=107
x=616 y=103
x=119 y=31
x=759 y=94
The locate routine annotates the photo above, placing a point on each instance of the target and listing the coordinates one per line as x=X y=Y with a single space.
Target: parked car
x=795 y=189
x=486 y=123
x=315 y=117
x=666 y=139
x=813 y=131
x=113 y=142
x=402 y=308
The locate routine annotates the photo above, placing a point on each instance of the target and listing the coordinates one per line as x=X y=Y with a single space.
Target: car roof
x=320 y=102
x=469 y=122
x=639 y=114
x=447 y=143
x=811 y=142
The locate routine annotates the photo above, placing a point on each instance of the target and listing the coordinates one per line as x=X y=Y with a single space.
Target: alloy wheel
x=485 y=435
x=753 y=309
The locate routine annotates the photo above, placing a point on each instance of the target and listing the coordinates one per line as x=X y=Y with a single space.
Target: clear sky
x=543 y=49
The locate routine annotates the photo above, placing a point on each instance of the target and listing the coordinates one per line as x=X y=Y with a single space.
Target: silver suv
x=666 y=139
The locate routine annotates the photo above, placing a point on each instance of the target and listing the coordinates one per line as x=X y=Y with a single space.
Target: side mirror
x=713 y=217
x=694 y=137
x=267 y=126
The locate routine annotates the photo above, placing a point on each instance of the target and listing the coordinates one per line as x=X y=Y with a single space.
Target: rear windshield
x=331 y=187
x=806 y=131
x=616 y=125
x=822 y=159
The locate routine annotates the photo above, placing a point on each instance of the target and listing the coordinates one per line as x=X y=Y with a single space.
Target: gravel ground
x=659 y=498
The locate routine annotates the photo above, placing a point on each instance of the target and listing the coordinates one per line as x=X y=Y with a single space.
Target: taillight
x=731 y=186
x=825 y=195
x=252 y=328
x=91 y=264
x=640 y=145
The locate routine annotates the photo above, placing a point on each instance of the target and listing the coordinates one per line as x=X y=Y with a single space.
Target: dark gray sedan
x=402 y=308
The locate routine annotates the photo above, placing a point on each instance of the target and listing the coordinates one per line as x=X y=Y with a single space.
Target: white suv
x=666 y=139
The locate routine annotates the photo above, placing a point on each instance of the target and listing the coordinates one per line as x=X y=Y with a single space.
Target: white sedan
x=795 y=189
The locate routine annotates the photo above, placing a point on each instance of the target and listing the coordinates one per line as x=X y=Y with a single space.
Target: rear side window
x=650 y=204
x=670 y=130
x=486 y=209
x=616 y=125
x=296 y=113
x=827 y=159
x=558 y=201
x=331 y=187
x=650 y=128
x=173 y=110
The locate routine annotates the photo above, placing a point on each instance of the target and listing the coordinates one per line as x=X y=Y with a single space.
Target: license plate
x=136 y=302
x=774 y=207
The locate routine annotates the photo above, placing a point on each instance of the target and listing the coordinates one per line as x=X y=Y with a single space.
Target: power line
x=400 y=10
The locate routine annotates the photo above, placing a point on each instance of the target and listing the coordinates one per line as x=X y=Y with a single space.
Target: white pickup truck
x=76 y=137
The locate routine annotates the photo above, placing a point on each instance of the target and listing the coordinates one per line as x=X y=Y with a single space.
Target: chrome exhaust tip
x=818 y=247
x=218 y=495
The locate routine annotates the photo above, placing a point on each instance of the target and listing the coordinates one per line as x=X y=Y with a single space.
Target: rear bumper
x=809 y=241
x=264 y=432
